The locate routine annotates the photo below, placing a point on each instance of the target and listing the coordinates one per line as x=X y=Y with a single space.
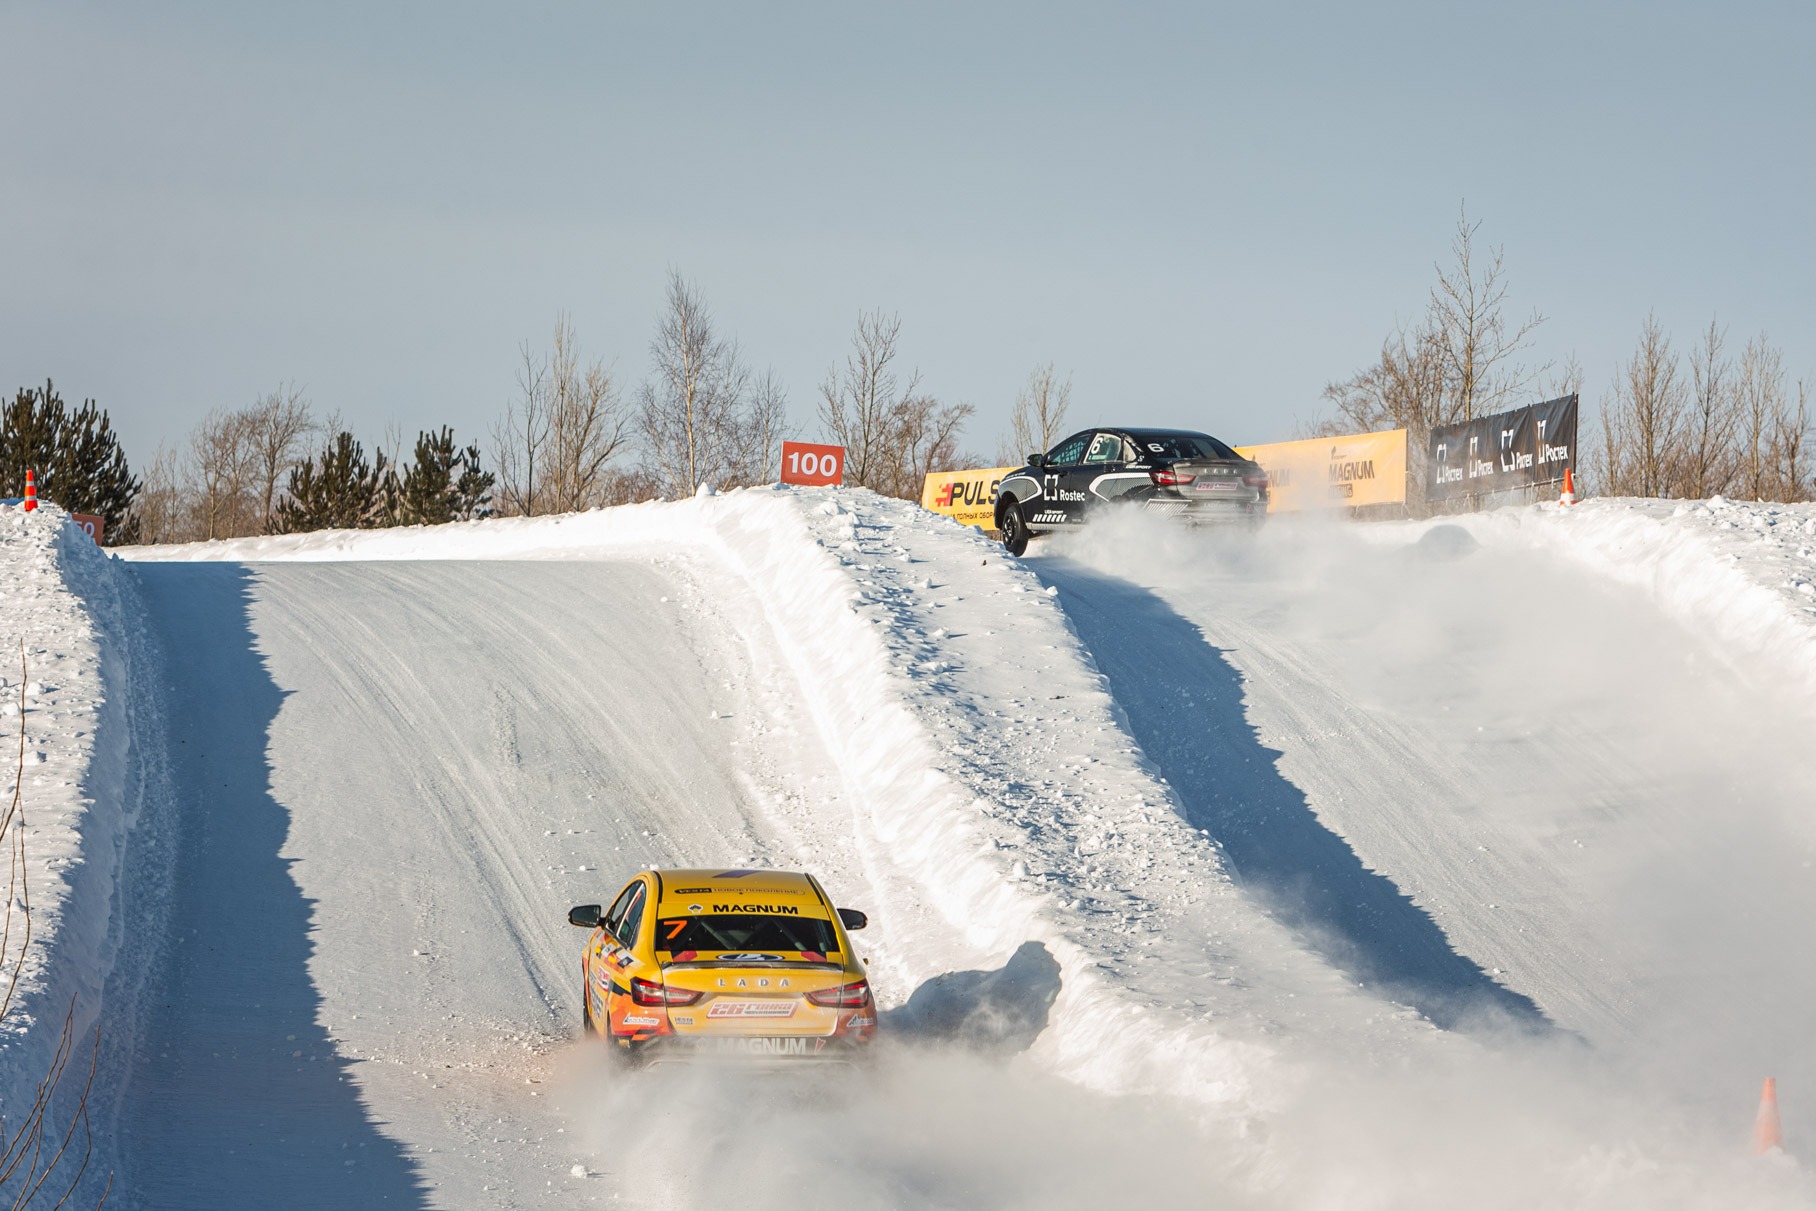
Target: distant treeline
x=572 y=436
x=1716 y=425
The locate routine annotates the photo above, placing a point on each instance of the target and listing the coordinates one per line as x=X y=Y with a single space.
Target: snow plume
x=1583 y=799
x=914 y=1128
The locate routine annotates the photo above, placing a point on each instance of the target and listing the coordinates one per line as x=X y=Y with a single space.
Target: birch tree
x=1038 y=419
x=703 y=420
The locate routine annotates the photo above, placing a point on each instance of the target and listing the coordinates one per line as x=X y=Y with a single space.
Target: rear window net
x=745 y=932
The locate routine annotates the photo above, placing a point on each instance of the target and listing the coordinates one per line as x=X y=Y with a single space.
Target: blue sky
x=1204 y=214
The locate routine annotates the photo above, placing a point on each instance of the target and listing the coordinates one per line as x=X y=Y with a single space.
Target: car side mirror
x=584 y=915
x=1037 y=460
x=851 y=918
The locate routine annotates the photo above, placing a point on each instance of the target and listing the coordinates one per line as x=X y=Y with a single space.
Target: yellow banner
x=970 y=496
x=1332 y=472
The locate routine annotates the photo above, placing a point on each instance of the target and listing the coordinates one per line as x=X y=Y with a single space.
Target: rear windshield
x=745 y=932
x=1182 y=445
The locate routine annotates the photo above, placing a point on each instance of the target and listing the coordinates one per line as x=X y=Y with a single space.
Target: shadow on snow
x=1183 y=701
x=236 y=1097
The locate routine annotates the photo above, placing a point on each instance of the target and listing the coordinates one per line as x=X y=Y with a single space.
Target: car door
x=1103 y=476
x=602 y=953
x=1062 y=487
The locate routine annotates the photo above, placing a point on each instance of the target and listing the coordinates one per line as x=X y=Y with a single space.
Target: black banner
x=1518 y=449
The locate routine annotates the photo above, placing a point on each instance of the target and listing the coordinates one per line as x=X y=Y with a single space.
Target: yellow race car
x=740 y=963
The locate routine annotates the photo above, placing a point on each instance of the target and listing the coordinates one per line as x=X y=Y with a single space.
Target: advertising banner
x=969 y=496
x=811 y=465
x=1518 y=449
x=1333 y=472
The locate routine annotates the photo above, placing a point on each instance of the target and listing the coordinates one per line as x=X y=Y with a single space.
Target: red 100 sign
x=816 y=466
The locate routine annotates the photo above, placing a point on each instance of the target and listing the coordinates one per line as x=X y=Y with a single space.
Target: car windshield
x=745 y=932
x=1183 y=445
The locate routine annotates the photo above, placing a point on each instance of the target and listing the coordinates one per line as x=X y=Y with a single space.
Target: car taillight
x=1166 y=477
x=855 y=995
x=1257 y=479
x=643 y=992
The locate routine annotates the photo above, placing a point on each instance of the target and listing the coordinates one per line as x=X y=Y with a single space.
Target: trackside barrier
x=1333 y=472
x=968 y=497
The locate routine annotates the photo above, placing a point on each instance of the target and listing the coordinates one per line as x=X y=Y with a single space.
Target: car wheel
x=1014 y=529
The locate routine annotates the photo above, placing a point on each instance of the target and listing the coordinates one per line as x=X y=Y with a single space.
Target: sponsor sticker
x=766 y=1046
x=693 y=891
x=751 y=1009
x=679 y=1020
x=641 y=1021
x=786 y=910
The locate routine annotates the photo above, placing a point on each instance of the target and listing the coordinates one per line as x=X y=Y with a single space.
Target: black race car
x=1191 y=476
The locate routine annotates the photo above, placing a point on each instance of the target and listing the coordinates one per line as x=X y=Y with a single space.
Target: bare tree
x=226 y=468
x=1759 y=401
x=1644 y=424
x=756 y=454
x=925 y=440
x=586 y=427
x=855 y=406
x=1705 y=464
x=1790 y=449
x=1039 y=414
x=165 y=508
x=1476 y=343
x=893 y=434
x=558 y=437
x=520 y=436
x=1458 y=362
x=1404 y=389
x=695 y=413
x=278 y=427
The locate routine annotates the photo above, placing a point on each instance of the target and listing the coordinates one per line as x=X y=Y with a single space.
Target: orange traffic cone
x=1767 y=1134
x=1569 y=496
x=31 y=491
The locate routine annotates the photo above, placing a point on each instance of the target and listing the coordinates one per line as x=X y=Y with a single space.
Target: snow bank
x=84 y=783
x=1742 y=576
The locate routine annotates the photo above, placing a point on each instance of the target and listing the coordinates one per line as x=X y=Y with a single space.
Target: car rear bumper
x=753 y=1050
x=1209 y=513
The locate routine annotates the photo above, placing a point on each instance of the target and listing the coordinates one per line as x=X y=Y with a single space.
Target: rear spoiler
x=788 y=964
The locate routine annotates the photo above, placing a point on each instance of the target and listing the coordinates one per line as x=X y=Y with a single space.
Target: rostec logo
x=789 y=910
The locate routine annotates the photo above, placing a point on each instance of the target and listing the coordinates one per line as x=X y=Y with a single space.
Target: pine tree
x=76 y=457
x=340 y=490
x=443 y=484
